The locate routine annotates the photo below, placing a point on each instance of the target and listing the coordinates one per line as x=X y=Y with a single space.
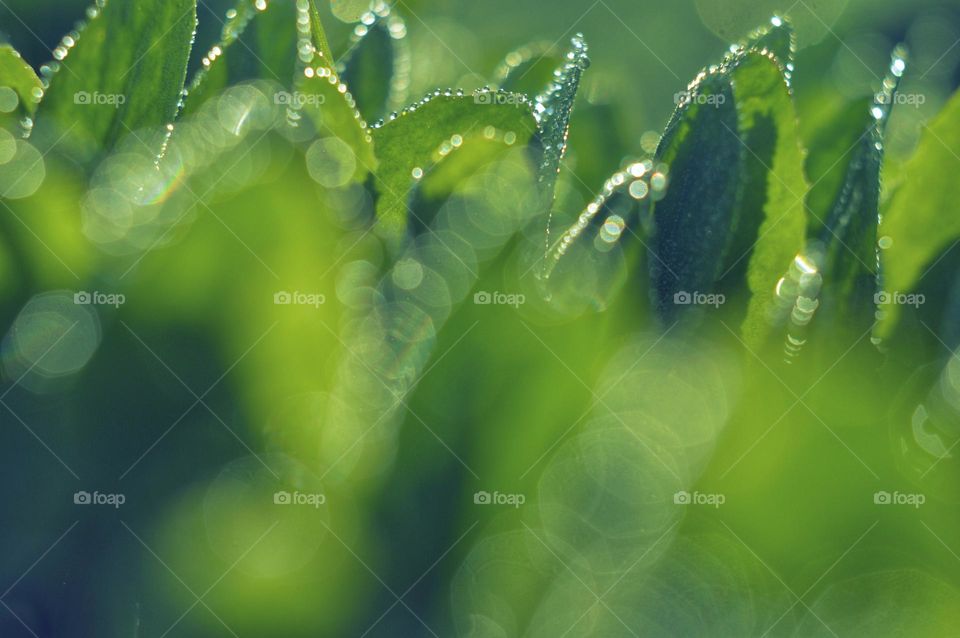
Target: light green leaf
x=918 y=227
x=20 y=89
x=409 y=145
x=324 y=102
x=125 y=73
x=775 y=185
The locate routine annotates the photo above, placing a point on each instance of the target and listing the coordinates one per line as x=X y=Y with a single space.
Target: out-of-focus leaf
x=125 y=73
x=528 y=69
x=258 y=41
x=408 y=146
x=377 y=65
x=884 y=604
x=918 y=226
x=20 y=89
x=349 y=10
x=694 y=224
x=811 y=17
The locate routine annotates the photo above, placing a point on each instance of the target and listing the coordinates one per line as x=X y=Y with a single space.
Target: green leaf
x=734 y=209
x=848 y=235
x=412 y=143
x=323 y=101
x=20 y=89
x=918 y=228
x=553 y=110
x=124 y=74
x=775 y=186
x=693 y=225
x=258 y=42
x=377 y=65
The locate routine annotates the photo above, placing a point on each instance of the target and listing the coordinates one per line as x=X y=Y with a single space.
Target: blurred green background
x=199 y=399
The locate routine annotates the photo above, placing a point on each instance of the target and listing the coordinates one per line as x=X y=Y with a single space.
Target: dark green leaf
x=849 y=231
x=734 y=209
x=258 y=42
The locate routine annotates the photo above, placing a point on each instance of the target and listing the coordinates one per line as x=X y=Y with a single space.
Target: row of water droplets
x=796 y=299
x=882 y=105
x=552 y=110
x=643 y=181
x=484 y=95
x=382 y=16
